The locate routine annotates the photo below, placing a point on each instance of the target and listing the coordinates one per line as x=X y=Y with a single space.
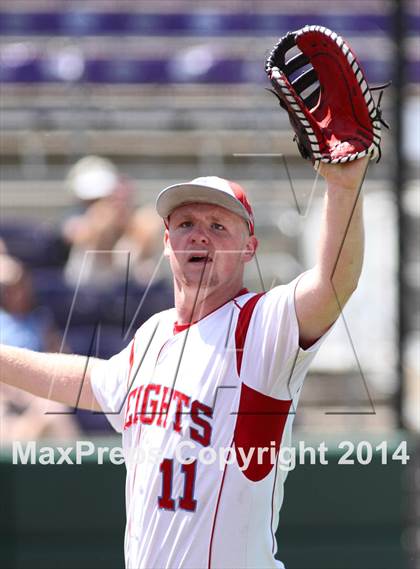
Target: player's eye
x=218 y=226
x=184 y=224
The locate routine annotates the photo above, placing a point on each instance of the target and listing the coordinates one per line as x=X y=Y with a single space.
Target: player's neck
x=192 y=305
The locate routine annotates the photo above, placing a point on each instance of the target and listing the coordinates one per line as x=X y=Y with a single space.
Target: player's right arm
x=64 y=378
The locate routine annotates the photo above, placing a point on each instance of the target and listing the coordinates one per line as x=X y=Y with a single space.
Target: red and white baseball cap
x=207 y=189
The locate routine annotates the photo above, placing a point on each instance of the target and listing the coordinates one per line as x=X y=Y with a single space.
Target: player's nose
x=199 y=235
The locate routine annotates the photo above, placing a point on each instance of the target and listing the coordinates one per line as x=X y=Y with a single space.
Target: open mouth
x=197 y=258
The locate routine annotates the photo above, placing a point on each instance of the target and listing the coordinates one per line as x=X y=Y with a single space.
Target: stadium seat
x=67 y=304
x=35 y=244
x=97 y=341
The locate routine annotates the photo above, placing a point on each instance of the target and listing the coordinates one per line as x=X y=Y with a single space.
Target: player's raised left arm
x=323 y=291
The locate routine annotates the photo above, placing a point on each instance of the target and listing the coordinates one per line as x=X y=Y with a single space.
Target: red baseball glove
x=318 y=80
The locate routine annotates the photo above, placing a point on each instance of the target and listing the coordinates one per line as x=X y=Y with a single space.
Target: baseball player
x=218 y=375
x=223 y=369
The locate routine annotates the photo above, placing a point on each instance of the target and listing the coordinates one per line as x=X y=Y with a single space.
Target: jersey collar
x=181 y=327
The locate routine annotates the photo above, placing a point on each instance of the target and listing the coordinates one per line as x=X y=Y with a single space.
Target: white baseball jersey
x=182 y=396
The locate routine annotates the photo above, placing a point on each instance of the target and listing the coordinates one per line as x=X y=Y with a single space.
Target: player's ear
x=250 y=248
x=166 y=243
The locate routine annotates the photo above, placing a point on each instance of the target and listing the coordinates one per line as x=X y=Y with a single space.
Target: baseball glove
x=318 y=80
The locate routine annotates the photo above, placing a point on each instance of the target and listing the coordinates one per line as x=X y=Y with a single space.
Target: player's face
x=208 y=245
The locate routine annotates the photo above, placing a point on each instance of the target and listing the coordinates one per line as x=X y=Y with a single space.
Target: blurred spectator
x=23 y=324
x=143 y=239
x=104 y=199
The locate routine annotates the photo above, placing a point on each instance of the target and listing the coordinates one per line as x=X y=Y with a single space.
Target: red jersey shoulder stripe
x=242 y=326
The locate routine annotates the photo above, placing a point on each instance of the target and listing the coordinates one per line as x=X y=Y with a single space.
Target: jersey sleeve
x=109 y=381
x=273 y=362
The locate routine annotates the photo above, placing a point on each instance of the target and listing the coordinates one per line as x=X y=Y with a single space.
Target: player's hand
x=349 y=175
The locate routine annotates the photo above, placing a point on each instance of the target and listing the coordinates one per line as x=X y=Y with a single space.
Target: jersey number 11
x=187 y=501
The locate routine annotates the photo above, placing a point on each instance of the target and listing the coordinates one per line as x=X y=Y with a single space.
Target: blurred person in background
x=104 y=198
x=109 y=229
x=142 y=239
x=26 y=325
